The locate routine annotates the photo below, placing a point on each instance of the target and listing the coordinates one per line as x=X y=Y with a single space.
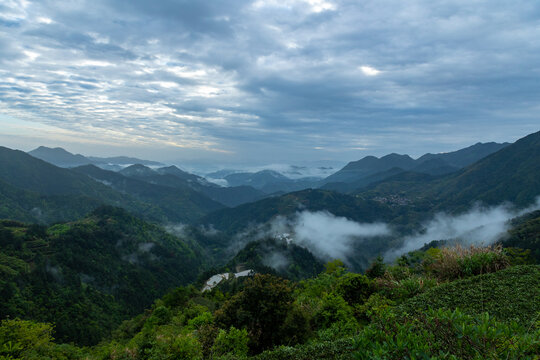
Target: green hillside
x=525 y=234
x=86 y=276
x=178 y=204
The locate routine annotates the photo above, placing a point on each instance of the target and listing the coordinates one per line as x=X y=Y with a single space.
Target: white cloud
x=330 y=236
x=44 y=20
x=478 y=226
x=369 y=71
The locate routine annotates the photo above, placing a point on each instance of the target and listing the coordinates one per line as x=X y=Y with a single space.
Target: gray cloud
x=267 y=81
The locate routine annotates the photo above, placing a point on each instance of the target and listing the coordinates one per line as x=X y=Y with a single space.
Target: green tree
x=261 y=308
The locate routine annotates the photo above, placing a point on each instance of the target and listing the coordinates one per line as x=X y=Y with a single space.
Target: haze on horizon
x=264 y=82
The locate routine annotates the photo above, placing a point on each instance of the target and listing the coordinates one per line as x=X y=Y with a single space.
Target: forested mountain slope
x=179 y=204
x=86 y=276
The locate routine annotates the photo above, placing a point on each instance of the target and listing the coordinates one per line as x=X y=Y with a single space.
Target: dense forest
x=450 y=303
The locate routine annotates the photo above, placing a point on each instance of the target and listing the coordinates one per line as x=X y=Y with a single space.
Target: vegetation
x=405 y=310
x=276 y=256
x=88 y=275
x=525 y=234
x=112 y=286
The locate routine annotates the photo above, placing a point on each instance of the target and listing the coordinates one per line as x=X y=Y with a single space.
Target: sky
x=276 y=81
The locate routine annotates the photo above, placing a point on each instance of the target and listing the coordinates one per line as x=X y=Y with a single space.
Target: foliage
x=22 y=339
x=525 y=234
x=510 y=294
x=445 y=334
x=331 y=350
x=261 y=307
x=87 y=276
x=459 y=262
x=376 y=269
x=233 y=341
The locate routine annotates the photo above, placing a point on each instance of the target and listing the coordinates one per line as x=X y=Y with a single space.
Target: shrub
x=25 y=339
x=403 y=285
x=185 y=347
x=459 y=262
x=233 y=342
x=445 y=334
x=334 y=309
x=376 y=269
x=510 y=294
x=341 y=349
x=261 y=308
x=355 y=288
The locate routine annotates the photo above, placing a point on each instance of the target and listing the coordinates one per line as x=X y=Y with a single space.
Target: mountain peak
x=138 y=170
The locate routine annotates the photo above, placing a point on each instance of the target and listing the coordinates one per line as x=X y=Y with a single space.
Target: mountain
x=122 y=160
x=370 y=165
x=357 y=173
x=258 y=180
x=87 y=276
x=525 y=234
x=466 y=156
x=346 y=187
x=511 y=174
x=26 y=172
x=270 y=181
x=276 y=256
x=179 y=204
x=47 y=193
x=231 y=221
x=176 y=178
x=59 y=157
x=29 y=206
x=435 y=166
x=184 y=175
x=63 y=158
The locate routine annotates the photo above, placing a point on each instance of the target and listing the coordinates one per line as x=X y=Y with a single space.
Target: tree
x=261 y=308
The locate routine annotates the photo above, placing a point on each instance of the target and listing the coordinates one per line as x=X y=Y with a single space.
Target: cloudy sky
x=267 y=81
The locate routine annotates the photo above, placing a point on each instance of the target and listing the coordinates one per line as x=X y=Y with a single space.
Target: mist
x=325 y=235
x=479 y=226
x=330 y=236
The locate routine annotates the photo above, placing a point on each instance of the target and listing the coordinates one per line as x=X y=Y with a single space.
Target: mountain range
x=406 y=198
x=62 y=158
x=105 y=248
x=370 y=169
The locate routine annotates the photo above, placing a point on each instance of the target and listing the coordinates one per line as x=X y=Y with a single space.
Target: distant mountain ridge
x=270 y=181
x=174 y=177
x=63 y=158
x=38 y=191
x=511 y=174
x=432 y=164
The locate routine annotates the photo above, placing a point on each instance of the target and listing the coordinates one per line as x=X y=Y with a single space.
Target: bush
x=445 y=334
x=399 y=284
x=510 y=294
x=261 y=308
x=233 y=342
x=376 y=269
x=459 y=262
x=355 y=288
x=330 y=350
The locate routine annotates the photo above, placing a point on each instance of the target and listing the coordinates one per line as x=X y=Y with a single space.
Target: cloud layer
x=270 y=80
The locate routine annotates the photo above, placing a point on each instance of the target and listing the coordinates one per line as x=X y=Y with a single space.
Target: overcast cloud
x=267 y=81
